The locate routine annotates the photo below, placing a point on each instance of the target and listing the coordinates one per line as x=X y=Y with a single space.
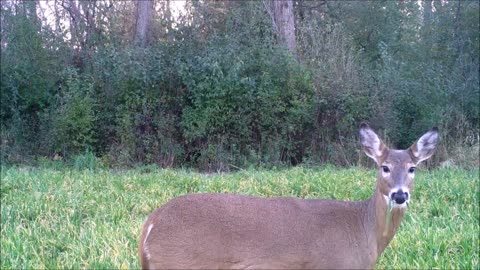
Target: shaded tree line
x=228 y=84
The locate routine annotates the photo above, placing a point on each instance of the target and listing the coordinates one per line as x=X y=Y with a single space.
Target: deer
x=229 y=231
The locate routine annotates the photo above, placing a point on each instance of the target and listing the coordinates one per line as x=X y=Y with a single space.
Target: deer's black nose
x=399 y=197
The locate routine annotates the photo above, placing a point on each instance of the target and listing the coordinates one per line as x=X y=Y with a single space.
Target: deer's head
x=396 y=168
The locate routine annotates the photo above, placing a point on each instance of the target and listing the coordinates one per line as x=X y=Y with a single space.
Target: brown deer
x=211 y=231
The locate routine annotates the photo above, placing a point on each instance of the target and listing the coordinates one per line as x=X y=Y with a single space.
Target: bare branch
x=272 y=16
x=321 y=3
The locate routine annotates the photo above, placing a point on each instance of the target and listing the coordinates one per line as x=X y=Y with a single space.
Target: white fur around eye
x=385 y=170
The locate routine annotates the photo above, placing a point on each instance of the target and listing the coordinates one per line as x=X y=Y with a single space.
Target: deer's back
x=237 y=231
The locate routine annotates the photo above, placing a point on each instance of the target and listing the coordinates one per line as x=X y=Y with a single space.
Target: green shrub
x=245 y=102
x=73 y=117
x=86 y=161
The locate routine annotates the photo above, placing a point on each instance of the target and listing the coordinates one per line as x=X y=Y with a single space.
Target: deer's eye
x=411 y=170
x=385 y=169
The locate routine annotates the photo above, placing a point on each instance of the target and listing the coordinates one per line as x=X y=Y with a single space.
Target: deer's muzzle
x=399 y=197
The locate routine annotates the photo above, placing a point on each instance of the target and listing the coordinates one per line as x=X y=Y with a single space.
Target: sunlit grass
x=65 y=218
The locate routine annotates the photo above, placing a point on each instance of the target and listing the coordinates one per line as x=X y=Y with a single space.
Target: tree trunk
x=88 y=9
x=29 y=10
x=284 y=21
x=169 y=19
x=427 y=12
x=75 y=22
x=76 y=31
x=143 y=21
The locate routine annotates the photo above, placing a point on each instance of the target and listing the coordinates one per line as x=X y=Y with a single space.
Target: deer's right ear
x=372 y=145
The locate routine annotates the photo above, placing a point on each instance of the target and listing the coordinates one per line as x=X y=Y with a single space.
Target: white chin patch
x=403 y=205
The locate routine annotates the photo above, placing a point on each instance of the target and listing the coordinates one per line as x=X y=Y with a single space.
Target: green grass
x=67 y=218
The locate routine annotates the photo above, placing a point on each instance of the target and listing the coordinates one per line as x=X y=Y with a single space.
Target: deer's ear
x=425 y=146
x=372 y=145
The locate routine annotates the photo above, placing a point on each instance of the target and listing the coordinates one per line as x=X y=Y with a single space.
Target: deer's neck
x=376 y=217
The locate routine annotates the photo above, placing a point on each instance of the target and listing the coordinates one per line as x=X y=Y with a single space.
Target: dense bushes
x=220 y=93
x=221 y=107
x=242 y=106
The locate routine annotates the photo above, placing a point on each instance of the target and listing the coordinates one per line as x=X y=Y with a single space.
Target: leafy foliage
x=214 y=88
x=73 y=115
x=242 y=104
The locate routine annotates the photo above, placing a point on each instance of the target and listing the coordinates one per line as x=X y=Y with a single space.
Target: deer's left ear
x=425 y=146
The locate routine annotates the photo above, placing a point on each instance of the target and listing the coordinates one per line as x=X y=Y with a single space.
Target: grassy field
x=65 y=218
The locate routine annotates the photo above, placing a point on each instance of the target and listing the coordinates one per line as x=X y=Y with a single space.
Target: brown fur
x=212 y=231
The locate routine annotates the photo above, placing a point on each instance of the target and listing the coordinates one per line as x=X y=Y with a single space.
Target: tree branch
x=312 y=7
x=272 y=16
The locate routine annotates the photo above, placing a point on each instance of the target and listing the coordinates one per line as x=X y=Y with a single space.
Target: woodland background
x=222 y=85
